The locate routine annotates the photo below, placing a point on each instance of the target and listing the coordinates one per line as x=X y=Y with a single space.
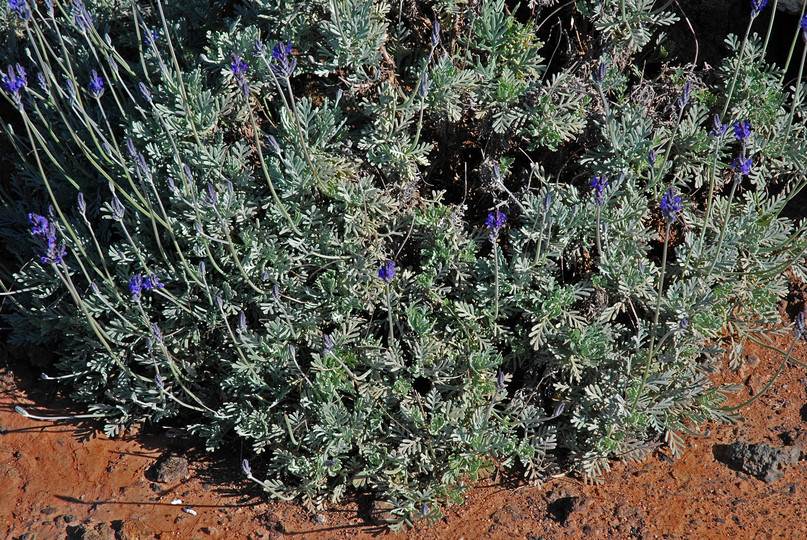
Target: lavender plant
x=240 y=233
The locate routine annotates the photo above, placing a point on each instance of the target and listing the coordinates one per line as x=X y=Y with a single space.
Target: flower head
x=284 y=63
x=327 y=343
x=685 y=94
x=756 y=6
x=742 y=130
x=719 y=128
x=258 y=48
x=136 y=286
x=494 y=222
x=96 y=85
x=741 y=165
x=599 y=76
x=16 y=80
x=239 y=68
x=81 y=16
x=39 y=224
x=387 y=272
x=45 y=229
x=670 y=205
x=598 y=184
x=803 y=26
x=20 y=7
x=435 y=33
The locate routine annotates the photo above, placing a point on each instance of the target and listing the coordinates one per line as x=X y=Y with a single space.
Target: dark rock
x=761 y=460
x=170 y=470
x=508 y=515
x=380 y=513
x=101 y=531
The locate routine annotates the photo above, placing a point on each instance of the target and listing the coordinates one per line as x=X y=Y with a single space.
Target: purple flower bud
x=245 y=467
x=423 y=89
x=144 y=90
x=559 y=409
x=211 y=197
x=82 y=206
x=435 y=33
x=651 y=157
x=187 y=171
x=258 y=49
x=70 y=88
x=130 y=148
x=684 y=99
x=96 y=85
x=219 y=302
x=670 y=205
x=158 y=335
x=599 y=76
x=158 y=380
x=117 y=208
x=242 y=322
x=327 y=343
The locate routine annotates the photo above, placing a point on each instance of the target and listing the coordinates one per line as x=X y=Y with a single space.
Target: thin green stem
x=725 y=224
x=653 y=329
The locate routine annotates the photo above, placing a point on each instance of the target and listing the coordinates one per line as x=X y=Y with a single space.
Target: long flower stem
x=650 y=350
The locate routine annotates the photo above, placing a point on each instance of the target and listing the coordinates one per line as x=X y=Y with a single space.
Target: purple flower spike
x=719 y=129
x=387 y=272
x=742 y=130
x=741 y=165
x=670 y=205
x=21 y=9
x=598 y=184
x=42 y=227
x=96 y=85
x=16 y=80
x=495 y=221
x=756 y=6
x=239 y=68
x=284 y=63
x=136 y=287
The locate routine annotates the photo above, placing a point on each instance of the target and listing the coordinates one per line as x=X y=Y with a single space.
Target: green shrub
x=287 y=240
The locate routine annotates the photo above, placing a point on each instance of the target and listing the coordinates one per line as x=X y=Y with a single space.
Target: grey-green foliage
x=268 y=214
